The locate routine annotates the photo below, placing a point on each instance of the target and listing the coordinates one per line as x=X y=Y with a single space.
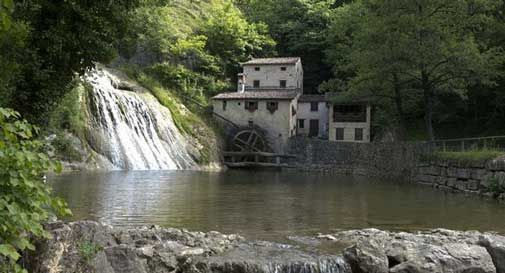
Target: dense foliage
x=407 y=49
x=194 y=48
x=300 y=28
x=48 y=42
x=25 y=199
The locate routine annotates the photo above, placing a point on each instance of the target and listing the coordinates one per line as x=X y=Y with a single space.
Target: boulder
x=495 y=245
x=450 y=258
x=367 y=257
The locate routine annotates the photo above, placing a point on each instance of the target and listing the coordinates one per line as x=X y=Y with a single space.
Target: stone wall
x=402 y=160
x=372 y=159
x=467 y=177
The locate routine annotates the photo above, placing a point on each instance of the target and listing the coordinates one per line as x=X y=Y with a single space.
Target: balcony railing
x=251 y=88
x=349 y=117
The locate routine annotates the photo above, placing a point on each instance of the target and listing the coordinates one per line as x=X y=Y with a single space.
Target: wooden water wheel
x=250 y=140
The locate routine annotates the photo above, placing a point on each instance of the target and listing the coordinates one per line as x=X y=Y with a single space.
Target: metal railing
x=470 y=144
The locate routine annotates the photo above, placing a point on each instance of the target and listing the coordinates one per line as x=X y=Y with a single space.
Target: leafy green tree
x=194 y=48
x=63 y=38
x=431 y=47
x=233 y=39
x=25 y=199
x=300 y=28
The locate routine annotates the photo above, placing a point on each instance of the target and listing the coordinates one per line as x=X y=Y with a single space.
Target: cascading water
x=133 y=131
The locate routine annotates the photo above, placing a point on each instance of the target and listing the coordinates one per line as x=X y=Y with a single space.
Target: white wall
x=279 y=125
x=349 y=127
x=321 y=115
x=270 y=75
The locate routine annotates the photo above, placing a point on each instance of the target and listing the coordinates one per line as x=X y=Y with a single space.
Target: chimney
x=241 y=83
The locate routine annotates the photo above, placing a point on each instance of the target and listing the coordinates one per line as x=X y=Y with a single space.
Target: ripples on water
x=269 y=205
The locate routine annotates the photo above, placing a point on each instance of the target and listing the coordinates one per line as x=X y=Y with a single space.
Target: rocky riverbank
x=93 y=247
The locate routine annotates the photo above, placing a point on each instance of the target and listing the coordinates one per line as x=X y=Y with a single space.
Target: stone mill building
x=270 y=96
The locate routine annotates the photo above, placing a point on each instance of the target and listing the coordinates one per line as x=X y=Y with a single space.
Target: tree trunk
x=399 y=107
x=428 y=106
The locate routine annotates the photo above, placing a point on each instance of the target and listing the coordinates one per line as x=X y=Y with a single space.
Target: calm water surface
x=269 y=205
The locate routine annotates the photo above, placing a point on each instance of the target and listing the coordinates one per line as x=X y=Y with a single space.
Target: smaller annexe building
x=272 y=110
x=313 y=116
x=350 y=119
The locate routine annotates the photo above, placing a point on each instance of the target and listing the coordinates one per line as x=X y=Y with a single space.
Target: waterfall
x=131 y=129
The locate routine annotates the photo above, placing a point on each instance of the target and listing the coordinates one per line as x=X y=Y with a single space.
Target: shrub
x=68 y=115
x=65 y=148
x=25 y=198
x=88 y=251
x=496 y=187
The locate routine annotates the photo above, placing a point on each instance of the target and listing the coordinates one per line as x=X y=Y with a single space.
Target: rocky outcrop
x=439 y=250
x=93 y=247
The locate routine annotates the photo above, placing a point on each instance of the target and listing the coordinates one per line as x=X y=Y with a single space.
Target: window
x=282 y=83
x=339 y=134
x=301 y=124
x=314 y=106
x=257 y=68
x=250 y=123
x=224 y=105
x=272 y=106
x=349 y=113
x=251 y=106
x=256 y=84
x=358 y=134
x=283 y=68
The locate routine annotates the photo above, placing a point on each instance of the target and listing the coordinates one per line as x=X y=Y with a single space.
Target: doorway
x=314 y=128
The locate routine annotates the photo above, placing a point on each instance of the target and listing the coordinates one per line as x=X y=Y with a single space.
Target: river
x=269 y=205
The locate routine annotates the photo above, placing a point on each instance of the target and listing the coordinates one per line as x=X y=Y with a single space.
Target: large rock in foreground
x=438 y=251
x=93 y=247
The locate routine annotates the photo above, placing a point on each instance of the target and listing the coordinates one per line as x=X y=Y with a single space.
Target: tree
x=63 y=38
x=233 y=39
x=25 y=199
x=428 y=46
x=299 y=27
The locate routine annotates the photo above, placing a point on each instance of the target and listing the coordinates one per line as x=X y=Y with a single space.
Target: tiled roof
x=282 y=60
x=259 y=95
x=312 y=98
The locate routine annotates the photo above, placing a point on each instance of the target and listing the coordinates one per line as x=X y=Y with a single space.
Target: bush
x=65 y=149
x=68 y=115
x=25 y=199
x=88 y=251
x=496 y=187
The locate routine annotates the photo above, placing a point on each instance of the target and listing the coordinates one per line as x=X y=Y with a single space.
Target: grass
x=88 y=251
x=477 y=156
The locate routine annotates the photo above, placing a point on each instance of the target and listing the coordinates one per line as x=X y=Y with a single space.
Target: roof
x=281 y=60
x=339 y=98
x=259 y=95
x=312 y=98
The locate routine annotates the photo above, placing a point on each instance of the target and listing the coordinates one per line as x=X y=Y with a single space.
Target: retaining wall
x=467 y=177
x=371 y=159
x=401 y=160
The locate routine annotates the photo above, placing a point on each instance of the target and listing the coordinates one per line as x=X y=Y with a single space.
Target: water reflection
x=269 y=205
